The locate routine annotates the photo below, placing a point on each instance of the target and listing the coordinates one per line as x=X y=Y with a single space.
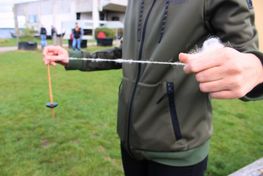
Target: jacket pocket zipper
x=173 y=113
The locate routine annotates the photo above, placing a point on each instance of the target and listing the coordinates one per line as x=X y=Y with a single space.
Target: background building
x=89 y=13
x=62 y=14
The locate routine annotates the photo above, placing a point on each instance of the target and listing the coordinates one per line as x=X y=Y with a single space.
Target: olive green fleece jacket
x=161 y=109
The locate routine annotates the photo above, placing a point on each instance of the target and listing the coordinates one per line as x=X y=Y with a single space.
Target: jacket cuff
x=75 y=62
x=257 y=92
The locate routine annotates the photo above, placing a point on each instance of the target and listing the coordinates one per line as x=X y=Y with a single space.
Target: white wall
x=121 y=2
x=83 y=5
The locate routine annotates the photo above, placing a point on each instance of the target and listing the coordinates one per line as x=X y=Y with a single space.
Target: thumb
x=184 y=58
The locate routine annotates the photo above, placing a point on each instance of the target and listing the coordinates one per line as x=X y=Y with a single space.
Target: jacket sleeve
x=233 y=22
x=77 y=63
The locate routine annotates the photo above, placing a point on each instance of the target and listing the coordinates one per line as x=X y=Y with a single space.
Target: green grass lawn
x=13 y=42
x=82 y=139
x=8 y=42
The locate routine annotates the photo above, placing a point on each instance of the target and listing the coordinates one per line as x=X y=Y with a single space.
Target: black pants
x=133 y=167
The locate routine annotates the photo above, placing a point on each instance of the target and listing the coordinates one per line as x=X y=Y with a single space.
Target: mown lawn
x=13 y=42
x=82 y=139
x=8 y=42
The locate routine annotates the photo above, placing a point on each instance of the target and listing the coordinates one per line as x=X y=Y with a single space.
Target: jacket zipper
x=175 y=122
x=137 y=78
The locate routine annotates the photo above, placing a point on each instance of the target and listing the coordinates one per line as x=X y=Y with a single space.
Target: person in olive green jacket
x=164 y=112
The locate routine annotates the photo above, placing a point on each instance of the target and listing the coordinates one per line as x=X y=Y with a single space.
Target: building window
x=87 y=32
x=78 y=15
x=115 y=18
x=102 y=16
x=33 y=19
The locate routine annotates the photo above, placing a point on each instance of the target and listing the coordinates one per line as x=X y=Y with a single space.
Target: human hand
x=55 y=54
x=224 y=73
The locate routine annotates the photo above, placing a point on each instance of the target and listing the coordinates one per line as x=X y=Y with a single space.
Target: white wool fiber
x=208 y=45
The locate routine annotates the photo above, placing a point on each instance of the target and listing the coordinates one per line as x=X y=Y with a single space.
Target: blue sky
x=6 y=14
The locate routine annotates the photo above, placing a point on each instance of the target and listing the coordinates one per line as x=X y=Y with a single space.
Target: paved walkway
x=8 y=48
x=254 y=169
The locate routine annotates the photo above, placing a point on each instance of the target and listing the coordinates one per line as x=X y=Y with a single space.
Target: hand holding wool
x=223 y=72
x=55 y=54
